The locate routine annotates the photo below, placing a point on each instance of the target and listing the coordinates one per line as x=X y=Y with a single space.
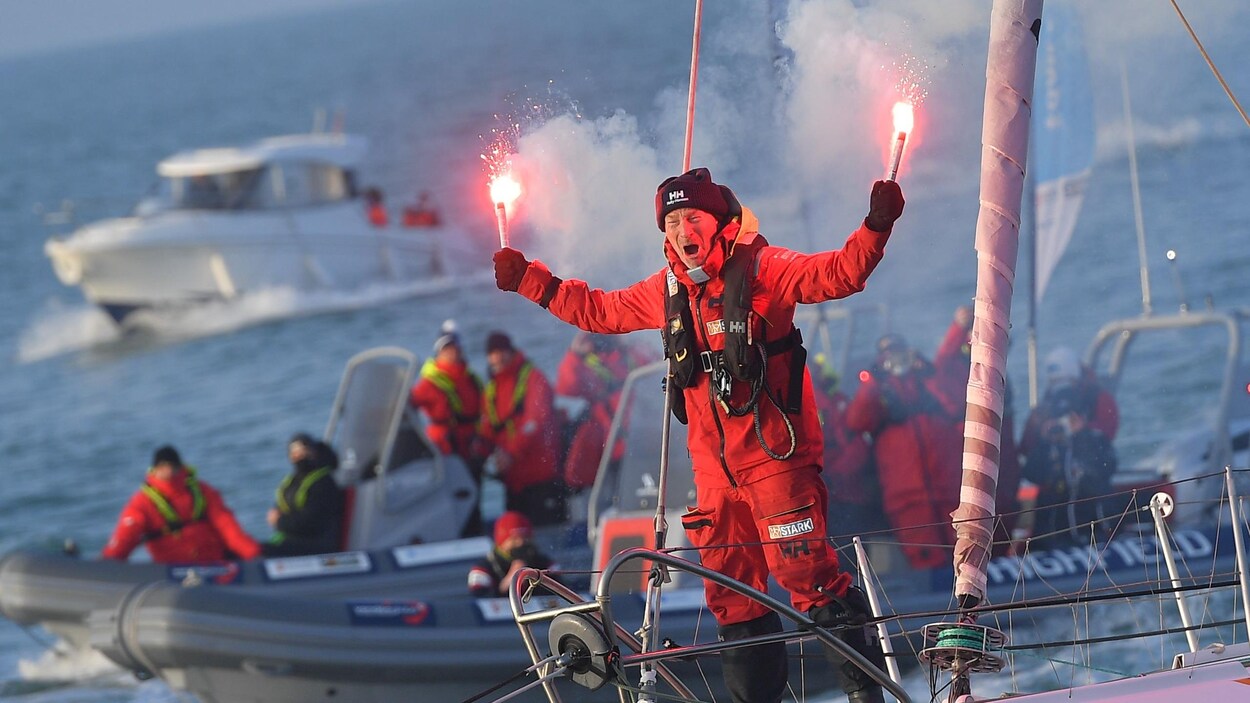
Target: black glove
x=884 y=206
x=510 y=266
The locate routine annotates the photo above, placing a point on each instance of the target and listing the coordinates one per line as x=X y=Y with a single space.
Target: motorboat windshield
x=281 y=172
x=269 y=187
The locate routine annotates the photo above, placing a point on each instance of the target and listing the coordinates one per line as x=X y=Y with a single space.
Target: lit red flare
x=504 y=190
x=904 y=120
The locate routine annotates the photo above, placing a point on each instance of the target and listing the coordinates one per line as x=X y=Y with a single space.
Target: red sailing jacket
x=197 y=541
x=848 y=458
x=596 y=378
x=524 y=427
x=724 y=450
x=451 y=397
x=918 y=454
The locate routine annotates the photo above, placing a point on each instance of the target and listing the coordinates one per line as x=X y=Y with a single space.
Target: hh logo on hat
x=676 y=196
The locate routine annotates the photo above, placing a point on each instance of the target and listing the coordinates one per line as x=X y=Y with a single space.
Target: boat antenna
x=1031 y=339
x=650 y=620
x=1146 y=307
x=1176 y=279
x=1207 y=57
x=1015 y=27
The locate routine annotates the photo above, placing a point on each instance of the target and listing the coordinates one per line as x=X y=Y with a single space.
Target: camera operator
x=1072 y=466
x=514 y=550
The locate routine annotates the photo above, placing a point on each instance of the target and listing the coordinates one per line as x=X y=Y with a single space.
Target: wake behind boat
x=285 y=212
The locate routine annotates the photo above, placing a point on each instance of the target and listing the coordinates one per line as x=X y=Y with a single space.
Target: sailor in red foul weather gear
x=854 y=493
x=514 y=550
x=180 y=518
x=450 y=395
x=593 y=369
x=725 y=303
x=916 y=447
x=375 y=209
x=519 y=421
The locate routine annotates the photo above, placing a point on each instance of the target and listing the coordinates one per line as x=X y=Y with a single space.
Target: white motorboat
x=285 y=212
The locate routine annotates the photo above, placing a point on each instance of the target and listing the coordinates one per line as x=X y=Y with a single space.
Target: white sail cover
x=1063 y=138
x=1004 y=151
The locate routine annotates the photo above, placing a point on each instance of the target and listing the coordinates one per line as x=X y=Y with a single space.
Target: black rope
x=1118 y=638
x=511 y=679
x=1055 y=601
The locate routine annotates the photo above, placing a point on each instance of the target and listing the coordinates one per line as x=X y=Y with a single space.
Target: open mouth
x=691 y=249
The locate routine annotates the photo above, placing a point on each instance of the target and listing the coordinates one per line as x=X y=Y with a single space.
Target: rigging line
x=1074 y=664
x=1023 y=648
x=537 y=682
x=519 y=675
x=1054 y=602
x=1218 y=76
x=694 y=79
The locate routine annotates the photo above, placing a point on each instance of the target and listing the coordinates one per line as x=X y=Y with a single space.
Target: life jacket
x=173 y=522
x=745 y=344
x=301 y=493
x=442 y=381
x=518 y=394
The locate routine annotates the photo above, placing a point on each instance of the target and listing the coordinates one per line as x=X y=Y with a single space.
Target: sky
x=36 y=26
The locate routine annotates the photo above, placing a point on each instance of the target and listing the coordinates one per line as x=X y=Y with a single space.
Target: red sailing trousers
x=775 y=525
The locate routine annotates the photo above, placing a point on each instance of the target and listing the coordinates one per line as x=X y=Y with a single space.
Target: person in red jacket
x=519 y=421
x=181 y=519
x=725 y=303
x=450 y=395
x=917 y=448
x=952 y=365
x=854 y=496
x=375 y=210
x=593 y=369
x=514 y=549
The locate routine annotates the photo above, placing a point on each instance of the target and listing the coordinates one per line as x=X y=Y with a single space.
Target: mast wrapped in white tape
x=1014 y=27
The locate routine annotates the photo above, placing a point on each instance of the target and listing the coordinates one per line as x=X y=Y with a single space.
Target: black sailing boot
x=850 y=610
x=755 y=674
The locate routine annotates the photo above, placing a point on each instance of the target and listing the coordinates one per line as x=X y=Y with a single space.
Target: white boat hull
x=184 y=258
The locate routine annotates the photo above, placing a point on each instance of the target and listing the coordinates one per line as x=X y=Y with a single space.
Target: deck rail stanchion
x=1160 y=507
x=870 y=589
x=1243 y=575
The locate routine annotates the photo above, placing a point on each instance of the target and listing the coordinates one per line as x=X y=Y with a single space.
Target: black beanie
x=166 y=455
x=498 y=341
x=695 y=189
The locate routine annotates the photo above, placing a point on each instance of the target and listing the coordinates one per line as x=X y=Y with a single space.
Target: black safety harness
x=746 y=352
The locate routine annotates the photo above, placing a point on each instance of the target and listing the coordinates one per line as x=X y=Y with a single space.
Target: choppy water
x=82 y=407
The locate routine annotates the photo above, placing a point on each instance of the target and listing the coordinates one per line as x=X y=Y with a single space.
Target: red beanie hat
x=512 y=523
x=694 y=189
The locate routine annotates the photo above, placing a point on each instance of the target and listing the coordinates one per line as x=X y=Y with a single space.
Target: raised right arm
x=636 y=307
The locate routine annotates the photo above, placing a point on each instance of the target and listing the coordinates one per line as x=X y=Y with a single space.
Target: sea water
x=82 y=405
